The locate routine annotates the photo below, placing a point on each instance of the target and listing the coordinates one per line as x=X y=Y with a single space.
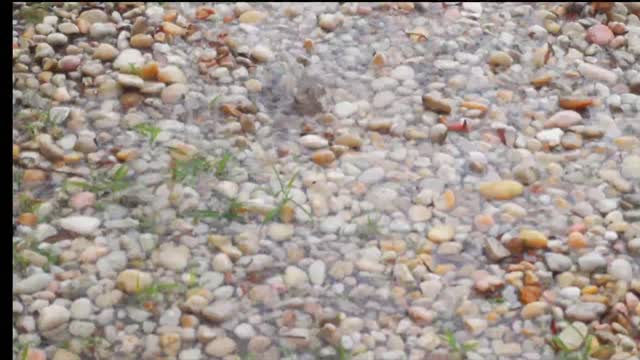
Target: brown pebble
x=149 y=71
x=34 y=176
x=323 y=157
x=28 y=219
x=576 y=104
x=131 y=99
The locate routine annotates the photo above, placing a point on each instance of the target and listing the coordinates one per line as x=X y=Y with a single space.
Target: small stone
x=313 y=141
x=294 y=277
x=329 y=22
x=69 y=63
x=244 y=331
x=84 y=225
x=631 y=167
x=323 y=157
x=280 y=232
x=345 y=109
x=501 y=190
x=68 y=28
x=94 y=16
x=550 y=137
x=558 y=262
x=171 y=74
x=174 y=257
x=349 y=140
x=593 y=72
x=105 y=52
x=141 y=41
x=576 y=104
x=372 y=175
x=220 y=347
x=173 y=93
x=222 y=263
x=133 y=81
x=252 y=17
x=563 y=119
x=571 y=141
x=476 y=326
x=533 y=239
x=591 y=262
x=262 y=54
x=173 y=29
x=317 y=272
x=127 y=59
x=436 y=104
x=419 y=213
x=533 y=310
x=500 y=58
x=132 y=281
x=530 y=294
x=495 y=250
x=420 y=315
x=253 y=85
x=402 y=72
x=621 y=269
x=101 y=30
x=573 y=336
x=33 y=283
x=52 y=317
x=441 y=233
x=599 y=34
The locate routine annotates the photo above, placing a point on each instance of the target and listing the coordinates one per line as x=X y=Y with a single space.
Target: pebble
x=262 y=54
x=586 y=311
x=621 y=269
x=174 y=257
x=220 y=347
x=345 y=109
x=594 y=72
x=558 y=262
x=563 y=119
x=173 y=93
x=500 y=58
x=294 y=277
x=171 y=74
x=33 y=283
x=127 y=59
x=83 y=225
x=131 y=280
x=280 y=232
x=252 y=17
x=436 y=104
x=441 y=233
x=313 y=141
x=599 y=34
x=317 y=272
x=52 y=316
x=501 y=190
x=630 y=168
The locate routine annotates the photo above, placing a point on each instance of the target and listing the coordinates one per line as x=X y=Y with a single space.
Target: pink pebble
x=578 y=227
x=82 y=200
x=599 y=34
x=36 y=354
x=617 y=42
x=452 y=13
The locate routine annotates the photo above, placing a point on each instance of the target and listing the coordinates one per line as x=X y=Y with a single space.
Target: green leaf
x=121 y=173
x=559 y=343
x=221 y=166
x=213 y=101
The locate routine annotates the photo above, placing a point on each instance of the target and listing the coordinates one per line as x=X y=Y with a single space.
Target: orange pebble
x=28 y=219
x=577 y=240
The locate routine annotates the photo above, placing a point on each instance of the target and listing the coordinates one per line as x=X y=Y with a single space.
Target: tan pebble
x=501 y=190
x=27 y=219
x=308 y=45
x=173 y=29
x=83 y=26
x=475 y=106
x=323 y=157
x=436 y=104
x=543 y=80
x=533 y=310
x=16 y=152
x=504 y=96
x=589 y=290
x=533 y=239
x=349 y=140
x=170 y=15
x=500 y=58
x=449 y=200
x=442 y=269
x=127 y=155
x=34 y=176
x=626 y=142
x=141 y=41
x=252 y=17
x=131 y=99
x=441 y=233
x=483 y=222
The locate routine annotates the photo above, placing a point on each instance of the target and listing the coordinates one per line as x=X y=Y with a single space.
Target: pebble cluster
x=326 y=181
